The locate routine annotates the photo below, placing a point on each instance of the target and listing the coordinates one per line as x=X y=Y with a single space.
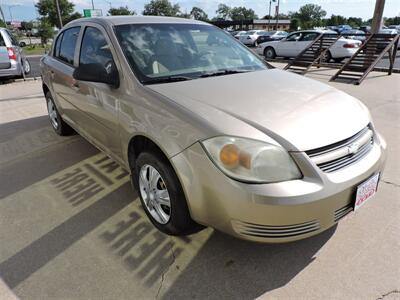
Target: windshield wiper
x=222 y=72
x=167 y=79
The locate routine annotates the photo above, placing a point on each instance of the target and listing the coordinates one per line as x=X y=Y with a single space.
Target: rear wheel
x=161 y=195
x=59 y=126
x=26 y=66
x=327 y=56
x=269 y=53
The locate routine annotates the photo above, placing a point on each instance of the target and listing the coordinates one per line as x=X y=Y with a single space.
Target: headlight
x=250 y=160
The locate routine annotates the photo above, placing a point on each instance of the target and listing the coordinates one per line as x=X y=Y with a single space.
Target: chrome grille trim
x=342 y=212
x=275 y=231
x=337 y=156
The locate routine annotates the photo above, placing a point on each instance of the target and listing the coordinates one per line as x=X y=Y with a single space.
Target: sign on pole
x=92 y=13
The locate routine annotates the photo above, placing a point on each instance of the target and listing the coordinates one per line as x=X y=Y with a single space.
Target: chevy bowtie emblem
x=353 y=148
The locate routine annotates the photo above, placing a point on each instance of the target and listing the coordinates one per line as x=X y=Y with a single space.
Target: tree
x=242 y=13
x=120 y=11
x=310 y=15
x=161 y=8
x=392 y=21
x=47 y=9
x=294 y=24
x=46 y=31
x=198 y=14
x=223 y=11
x=354 y=22
x=26 y=25
x=72 y=17
x=335 y=20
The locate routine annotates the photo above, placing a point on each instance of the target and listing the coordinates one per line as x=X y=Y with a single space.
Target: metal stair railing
x=357 y=68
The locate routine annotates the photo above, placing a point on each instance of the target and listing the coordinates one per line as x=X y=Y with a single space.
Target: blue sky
x=358 y=8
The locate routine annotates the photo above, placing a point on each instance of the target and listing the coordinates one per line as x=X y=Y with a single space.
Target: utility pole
x=269 y=15
x=377 y=18
x=277 y=16
x=59 y=14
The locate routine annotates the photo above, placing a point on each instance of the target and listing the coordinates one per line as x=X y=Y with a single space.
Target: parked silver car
x=13 y=62
x=184 y=107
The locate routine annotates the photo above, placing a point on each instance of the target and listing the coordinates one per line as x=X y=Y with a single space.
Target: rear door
x=306 y=39
x=63 y=63
x=4 y=56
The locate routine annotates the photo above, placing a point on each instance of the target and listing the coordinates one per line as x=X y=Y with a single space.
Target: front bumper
x=275 y=212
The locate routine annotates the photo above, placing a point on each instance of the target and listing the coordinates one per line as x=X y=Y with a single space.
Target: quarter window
x=95 y=48
x=68 y=43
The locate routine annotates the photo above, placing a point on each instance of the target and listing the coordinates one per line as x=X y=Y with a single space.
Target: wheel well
x=141 y=143
x=45 y=89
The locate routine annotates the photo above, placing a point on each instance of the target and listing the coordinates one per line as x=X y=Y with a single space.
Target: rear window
x=68 y=43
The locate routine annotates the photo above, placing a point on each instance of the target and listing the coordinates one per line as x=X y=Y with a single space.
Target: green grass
x=35 y=49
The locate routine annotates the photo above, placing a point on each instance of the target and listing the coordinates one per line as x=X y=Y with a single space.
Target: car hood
x=298 y=112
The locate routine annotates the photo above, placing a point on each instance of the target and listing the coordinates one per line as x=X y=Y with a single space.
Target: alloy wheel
x=52 y=114
x=155 y=194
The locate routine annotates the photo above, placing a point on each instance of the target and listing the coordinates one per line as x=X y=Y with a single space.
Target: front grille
x=275 y=231
x=344 y=153
x=342 y=212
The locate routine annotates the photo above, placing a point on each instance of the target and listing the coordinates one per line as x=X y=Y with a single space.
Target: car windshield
x=160 y=53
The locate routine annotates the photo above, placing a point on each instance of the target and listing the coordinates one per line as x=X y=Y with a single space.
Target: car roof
x=121 y=20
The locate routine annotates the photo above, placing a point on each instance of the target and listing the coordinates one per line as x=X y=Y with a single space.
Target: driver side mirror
x=98 y=73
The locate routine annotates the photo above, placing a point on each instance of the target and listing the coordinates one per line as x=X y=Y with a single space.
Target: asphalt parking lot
x=71 y=226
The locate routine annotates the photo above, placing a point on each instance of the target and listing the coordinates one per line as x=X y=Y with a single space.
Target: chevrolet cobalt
x=211 y=134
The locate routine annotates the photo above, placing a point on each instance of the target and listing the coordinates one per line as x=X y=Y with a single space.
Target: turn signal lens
x=229 y=155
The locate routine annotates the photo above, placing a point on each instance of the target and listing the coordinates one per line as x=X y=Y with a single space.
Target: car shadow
x=229 y=268
x=30 y=151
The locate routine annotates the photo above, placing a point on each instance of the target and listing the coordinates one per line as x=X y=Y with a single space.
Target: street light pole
x=92 y=4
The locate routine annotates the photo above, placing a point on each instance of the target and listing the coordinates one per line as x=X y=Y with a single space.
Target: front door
x=99 y=101
x=288 y=47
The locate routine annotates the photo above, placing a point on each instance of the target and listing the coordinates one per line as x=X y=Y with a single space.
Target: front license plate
x=366 y=190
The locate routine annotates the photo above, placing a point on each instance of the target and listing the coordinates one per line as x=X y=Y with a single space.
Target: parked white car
x=250 y=37
x=239 y=34
x=294 y=43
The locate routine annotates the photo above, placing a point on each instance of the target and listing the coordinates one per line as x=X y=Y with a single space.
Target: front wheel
x=161 y=195
x=269 y=53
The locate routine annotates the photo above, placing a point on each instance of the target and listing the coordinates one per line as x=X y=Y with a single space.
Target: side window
x=309 y=36
x=293 y=37
x=68 y=43
x=94 y=48
x=58 y=44
x=14 y=41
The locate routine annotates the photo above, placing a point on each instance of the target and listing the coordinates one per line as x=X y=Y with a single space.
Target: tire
x=338 y=60
x=176 y=218
x=26 y=67
x=58 y=124
x=269 y=53
x=327 y=57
